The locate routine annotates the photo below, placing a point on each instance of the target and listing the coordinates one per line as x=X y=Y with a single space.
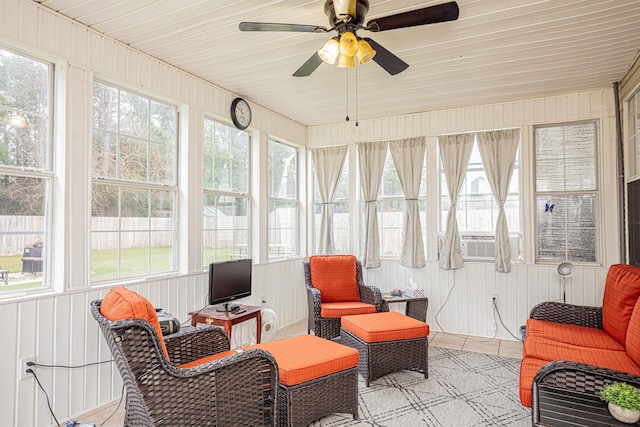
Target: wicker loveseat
x=335 y=288
x=189 y=378
x=571 y=352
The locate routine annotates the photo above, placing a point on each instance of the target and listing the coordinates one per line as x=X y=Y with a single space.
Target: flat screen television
x=228 y=281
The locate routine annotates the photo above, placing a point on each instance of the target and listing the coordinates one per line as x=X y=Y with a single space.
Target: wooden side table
x=210 y=316
x=416 y=306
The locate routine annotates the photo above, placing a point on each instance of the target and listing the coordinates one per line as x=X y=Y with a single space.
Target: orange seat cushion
x=308 y=357
x=207 y=359
x=121 y=303
x=633 y=334
x=572 y=334
x=621 y=291
x=546 y=349
x=389 y=326
x=529 y=367
x=335 y=277
x=339 y=309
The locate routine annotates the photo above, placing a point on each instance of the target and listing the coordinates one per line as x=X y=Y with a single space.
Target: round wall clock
x=240 y=113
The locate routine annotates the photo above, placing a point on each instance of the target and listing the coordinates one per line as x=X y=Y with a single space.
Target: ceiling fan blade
x=387 y=60
x=429 y=15
x=268 y=26
x=308 y=67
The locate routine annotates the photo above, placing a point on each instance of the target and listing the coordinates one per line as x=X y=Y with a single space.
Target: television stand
x=211 y=316
x=223 y=308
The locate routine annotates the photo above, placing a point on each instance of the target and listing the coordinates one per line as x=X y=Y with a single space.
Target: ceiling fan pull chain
x=346 y=73
x=356 y=96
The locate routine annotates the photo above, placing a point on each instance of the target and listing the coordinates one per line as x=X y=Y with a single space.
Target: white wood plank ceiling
x=498 y=50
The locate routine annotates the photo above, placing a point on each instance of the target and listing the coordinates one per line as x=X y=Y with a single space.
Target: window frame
x=126 y=184
x=247 y=250
x=597 y=192
x=291 y=201
x=47 y=173
x=484 y=235
x=316 y=204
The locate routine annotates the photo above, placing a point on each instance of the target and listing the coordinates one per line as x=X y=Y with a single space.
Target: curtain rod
x=477 y=131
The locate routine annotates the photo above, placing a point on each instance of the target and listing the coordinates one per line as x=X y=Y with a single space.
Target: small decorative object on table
x=396 y=293
x=624 y=401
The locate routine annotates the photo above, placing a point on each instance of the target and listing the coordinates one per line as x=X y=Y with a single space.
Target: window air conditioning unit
x=479 y=247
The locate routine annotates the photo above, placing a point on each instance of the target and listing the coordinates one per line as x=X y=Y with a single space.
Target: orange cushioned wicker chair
x=571 y=352
x=188 y=378
x=334 y=289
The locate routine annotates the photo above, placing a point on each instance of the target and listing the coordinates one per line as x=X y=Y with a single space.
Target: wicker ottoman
x=317 y=378
x=387 y=342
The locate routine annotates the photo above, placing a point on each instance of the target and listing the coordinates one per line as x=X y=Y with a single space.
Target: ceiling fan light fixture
x=345 y=61
x=365 y=52
x=348 y=44
x=330 y=51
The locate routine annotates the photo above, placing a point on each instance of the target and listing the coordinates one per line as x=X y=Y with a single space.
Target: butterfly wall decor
x=548 y=207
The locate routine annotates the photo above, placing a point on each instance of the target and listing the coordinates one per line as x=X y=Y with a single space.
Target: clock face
x=240 y=113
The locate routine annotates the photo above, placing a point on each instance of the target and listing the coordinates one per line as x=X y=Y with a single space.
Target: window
x=341 y=219
x=391 y=205
x=26 y=171
x=134 y=191
x=477 y=211
x=566 y=192
x=225 y=224
x=283 y=200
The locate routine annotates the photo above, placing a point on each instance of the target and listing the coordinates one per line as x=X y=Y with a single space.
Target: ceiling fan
x=346 y=17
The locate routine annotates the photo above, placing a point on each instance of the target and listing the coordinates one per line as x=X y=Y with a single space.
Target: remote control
x=240 y=310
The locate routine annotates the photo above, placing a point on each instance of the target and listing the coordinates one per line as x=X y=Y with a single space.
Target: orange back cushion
x=621 y=291
x=335 y=277
x=633 y=334
x=120 y=303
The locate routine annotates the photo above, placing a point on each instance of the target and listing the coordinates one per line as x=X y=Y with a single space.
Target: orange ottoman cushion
x=572 y=334
x=529 y=367
x=339 y=309
x=381 y=327
x=120 y=303
x=308 y=357
x=335 y=277
x=621 y=291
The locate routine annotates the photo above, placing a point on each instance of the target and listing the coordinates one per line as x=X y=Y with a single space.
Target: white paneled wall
x=58 y=328
x=468 y=309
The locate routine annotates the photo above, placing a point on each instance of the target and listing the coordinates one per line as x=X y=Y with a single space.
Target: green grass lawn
x=104 y=265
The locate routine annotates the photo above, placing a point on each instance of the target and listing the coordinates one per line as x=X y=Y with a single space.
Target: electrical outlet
x=494 y=297
x=23 y=366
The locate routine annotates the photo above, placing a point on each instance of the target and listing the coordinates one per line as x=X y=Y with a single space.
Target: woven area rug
x=463 y=389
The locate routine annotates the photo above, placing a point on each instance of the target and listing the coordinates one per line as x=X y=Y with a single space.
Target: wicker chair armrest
x=195 y=343
x=570 y=314
x=371 y=295
x=237 y=376
x=579 y=377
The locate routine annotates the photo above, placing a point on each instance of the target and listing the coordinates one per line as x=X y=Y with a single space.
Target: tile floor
x=506 y=348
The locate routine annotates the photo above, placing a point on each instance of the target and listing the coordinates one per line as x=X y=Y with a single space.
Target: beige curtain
x=371 y=156
x=327 y=163
x=408 y=157
x=455 y=151
x=498 y=151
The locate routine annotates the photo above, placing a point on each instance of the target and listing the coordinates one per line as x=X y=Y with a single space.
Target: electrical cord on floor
x=445 y=303
x=117 y=407
x=495 y=308
x=42 y=365
x=30 y=371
